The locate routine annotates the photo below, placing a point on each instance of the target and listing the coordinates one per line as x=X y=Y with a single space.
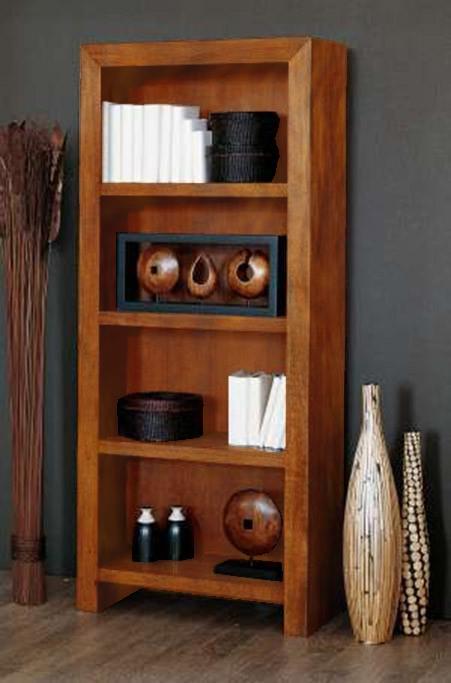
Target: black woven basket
x=245 y=128
x=160 y=416
x=237 y=148
x=243 y=168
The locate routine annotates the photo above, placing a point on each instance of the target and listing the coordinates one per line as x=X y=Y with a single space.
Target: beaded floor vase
x=415 y=549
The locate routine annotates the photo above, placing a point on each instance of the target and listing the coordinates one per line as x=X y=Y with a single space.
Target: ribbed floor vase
x=415 y=549
x=31 y=179
x=372 y=538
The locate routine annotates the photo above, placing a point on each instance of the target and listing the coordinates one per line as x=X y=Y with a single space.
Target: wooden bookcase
x=304 y=80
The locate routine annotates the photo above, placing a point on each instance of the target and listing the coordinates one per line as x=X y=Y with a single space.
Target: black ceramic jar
x=146 y=538
x=179 y=535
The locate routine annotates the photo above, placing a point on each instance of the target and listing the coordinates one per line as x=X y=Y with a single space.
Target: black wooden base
x=255 y=569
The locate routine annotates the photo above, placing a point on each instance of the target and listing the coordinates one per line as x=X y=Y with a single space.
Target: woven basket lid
x=161 y=401
x=250 y=117
x=242 y=126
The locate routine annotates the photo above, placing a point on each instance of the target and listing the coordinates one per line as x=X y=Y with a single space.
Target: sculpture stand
x=251 y=569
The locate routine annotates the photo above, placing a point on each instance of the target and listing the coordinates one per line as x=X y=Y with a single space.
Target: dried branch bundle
x=31 y=167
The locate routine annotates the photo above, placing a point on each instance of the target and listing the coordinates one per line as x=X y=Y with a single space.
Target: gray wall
x=399 y=292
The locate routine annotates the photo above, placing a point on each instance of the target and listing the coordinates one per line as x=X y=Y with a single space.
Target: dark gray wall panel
x=399 y=292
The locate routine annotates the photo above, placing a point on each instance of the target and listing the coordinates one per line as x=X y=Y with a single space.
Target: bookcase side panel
x=298 y=372
x=88 y=347
x=327 y=330
x=89 y=597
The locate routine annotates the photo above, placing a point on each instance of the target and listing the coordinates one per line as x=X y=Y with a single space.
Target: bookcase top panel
x=251 y=50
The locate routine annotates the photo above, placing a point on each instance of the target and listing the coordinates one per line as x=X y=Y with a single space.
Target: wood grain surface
x=304 y=80
x=197 y=361
x=315 y=334
x=182 y=52
x=211 y=448
x=204 y=215
x=152 y=637
x=205 y=190
x=203 y=490
x=190 y=576
x=191 y=321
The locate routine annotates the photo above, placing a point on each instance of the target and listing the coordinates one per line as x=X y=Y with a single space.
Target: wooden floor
x=160 y=638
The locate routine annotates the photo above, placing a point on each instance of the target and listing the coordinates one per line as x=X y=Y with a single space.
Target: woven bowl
x=244 y=128
x=160 y=416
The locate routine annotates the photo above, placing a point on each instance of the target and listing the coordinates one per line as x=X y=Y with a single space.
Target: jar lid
x=161 y=401
x=146 y=515
x=177 y=514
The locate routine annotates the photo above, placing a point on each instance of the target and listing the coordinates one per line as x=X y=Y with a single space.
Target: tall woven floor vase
x=31 y=159
x=415 y=549
x=372 y=532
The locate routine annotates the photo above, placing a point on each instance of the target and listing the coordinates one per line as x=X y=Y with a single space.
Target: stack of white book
x=257 y=410
x=154 y=143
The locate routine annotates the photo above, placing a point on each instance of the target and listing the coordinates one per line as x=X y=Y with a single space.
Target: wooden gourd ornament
x=252 y=522
x=248 y=274
x=202 y=277
x=158 y=270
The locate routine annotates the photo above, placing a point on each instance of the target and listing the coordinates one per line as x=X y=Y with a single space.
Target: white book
x=114 y=143
x=151 y=142
x=138 y=140
x=188 y=126
x=269 y=411
x=275 y=436
x=127 y=143
x=238 y=408
x=270 y=440
x=259 y=389
x=164 y=165
x=281 y=436
x=201 y=142
x=179 y=114
x=105 y=141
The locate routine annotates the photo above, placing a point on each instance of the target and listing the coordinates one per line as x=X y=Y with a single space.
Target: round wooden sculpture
x=158 y=270
x=252 y=522
x=202 y=277
x=248 y=273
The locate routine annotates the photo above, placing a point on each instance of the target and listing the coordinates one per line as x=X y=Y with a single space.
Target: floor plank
x=163 y=638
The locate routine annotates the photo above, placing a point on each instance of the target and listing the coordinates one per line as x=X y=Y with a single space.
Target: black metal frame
x=277 y=283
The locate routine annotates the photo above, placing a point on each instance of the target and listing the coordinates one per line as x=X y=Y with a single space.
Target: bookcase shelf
x=304 y=80
x=210 y=448
x=190 y=576
x=193 y=321
x=251 y=190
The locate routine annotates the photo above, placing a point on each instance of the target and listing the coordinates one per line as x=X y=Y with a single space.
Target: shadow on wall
x=433 y=495
x=350 y=407
x=435 y=507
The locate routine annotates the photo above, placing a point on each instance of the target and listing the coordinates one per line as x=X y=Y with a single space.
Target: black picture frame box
x=126 y=273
